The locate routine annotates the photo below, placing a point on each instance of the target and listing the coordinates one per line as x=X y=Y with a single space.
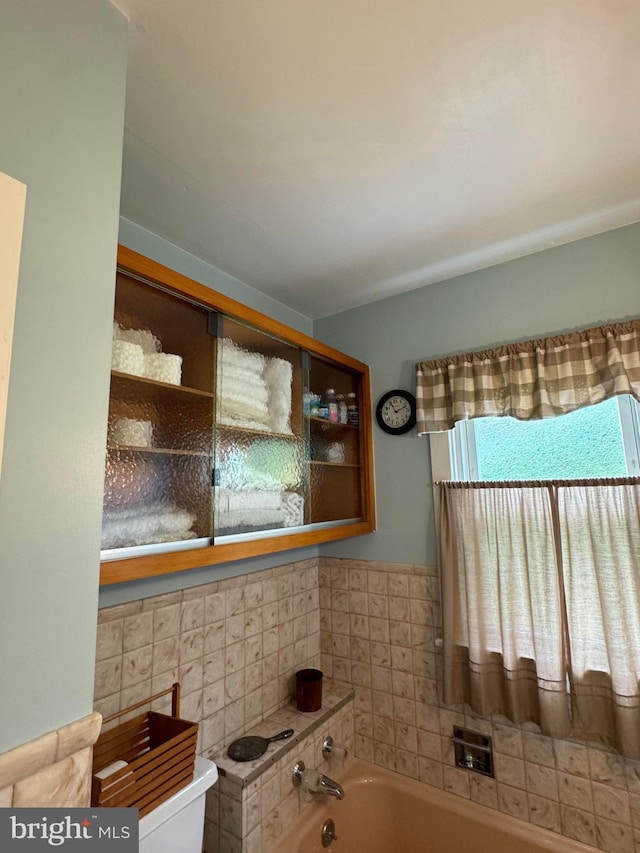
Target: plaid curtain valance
x=530 y=380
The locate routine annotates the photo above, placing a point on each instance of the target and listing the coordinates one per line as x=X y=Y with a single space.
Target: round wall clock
x=396 y=412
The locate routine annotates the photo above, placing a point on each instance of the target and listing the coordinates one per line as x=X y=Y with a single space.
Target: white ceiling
x=334 y=152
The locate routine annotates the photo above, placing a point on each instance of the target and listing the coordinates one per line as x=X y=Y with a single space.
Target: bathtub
x=383 y=812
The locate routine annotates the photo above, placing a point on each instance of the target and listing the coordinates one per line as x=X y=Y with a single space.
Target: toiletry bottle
x=353 y=416
x=332 y=405
x=342 y=409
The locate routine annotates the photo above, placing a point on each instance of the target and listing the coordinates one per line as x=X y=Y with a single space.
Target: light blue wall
x=152 y=246
x=63 y=69
x=581 y=284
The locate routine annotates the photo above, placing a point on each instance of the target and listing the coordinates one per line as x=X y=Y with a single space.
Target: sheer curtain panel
x=541 y=604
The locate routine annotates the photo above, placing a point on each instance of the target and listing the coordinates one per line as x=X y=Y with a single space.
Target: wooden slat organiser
x=160 y=752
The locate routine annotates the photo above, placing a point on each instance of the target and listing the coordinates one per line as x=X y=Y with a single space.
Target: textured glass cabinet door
x=332 y=409
x=259 y=470
x=158 y=481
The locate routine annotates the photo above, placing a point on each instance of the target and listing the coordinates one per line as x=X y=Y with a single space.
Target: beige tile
x=572 y=758
x=578 y=824
x=483 y=790
x=191 y=645
x=6 y=797
x=214 y=607
x=214 y=667
x=611 y=803
x=542 y=781
x=545 y=813
x=430 y=771
x=538 y=749
x=575 y=791
x=166 y=655
x=607 y=767
x=190 y=676
x=78 y=735
x=27 y=759
x=109 y=639
x=136 y=666
x=215 y=637
x=192 y=614
x=377 y=582
x=138 y=631
x=64 y=784
x=508 y=740
x=456 y=782
x=119 y=611
x=510 y=771
x=166 y=622
x=213 y=697
x=108 y=674
x=513 y=801
x=163 y=600
x=614 y=837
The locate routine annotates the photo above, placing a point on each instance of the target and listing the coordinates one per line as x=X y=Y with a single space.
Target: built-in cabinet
x=221 y=444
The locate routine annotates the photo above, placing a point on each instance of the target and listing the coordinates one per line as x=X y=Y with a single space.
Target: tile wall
x=380 y=626
x=234 y=646
x=52 y=771
x=251 y=818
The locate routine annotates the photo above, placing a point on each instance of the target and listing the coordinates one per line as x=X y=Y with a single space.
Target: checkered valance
x=530 y=380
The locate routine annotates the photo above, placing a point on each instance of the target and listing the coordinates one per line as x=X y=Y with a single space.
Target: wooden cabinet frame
x=134 y=568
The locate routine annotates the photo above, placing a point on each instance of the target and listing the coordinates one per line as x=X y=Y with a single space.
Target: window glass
x=582 y=444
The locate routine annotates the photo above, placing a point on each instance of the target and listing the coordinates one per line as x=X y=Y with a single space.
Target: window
x=541 y=578
x=596 y=441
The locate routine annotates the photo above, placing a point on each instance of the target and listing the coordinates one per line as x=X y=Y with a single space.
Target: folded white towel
x=293 y=509
x=262 y=518
x=142 y=337
x=278 y=375
x=233 y=354
x=242 y=499
x=145 y=525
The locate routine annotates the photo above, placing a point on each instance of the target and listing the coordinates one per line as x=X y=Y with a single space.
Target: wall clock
x=396 y=412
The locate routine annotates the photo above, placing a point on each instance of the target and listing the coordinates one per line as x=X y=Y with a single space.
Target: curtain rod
x=514 y=484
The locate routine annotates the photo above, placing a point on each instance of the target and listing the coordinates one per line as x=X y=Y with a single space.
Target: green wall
x=581 y=284
x=63 y=68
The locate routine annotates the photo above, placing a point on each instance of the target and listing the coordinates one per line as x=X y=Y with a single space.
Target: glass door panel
x=332 y=407
x=259 y=439
x=158 y=491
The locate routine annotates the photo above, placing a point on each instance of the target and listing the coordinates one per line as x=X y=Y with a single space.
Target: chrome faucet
x=315 y=782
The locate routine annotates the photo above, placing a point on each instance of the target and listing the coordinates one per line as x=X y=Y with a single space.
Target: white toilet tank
x=177 y=825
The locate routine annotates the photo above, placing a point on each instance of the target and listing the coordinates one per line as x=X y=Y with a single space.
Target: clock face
x=396 y=412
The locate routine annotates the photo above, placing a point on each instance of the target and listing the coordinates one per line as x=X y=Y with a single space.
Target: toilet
x=178 y=823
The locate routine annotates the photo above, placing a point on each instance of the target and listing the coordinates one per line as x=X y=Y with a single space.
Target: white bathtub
x=383 y=812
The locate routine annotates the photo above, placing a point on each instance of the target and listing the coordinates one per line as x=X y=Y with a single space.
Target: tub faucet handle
x=331 y=749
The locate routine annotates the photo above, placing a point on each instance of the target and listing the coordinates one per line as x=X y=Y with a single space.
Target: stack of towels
x=146 y=525
x=254 y=391
x=243 y=510
x=139 y=353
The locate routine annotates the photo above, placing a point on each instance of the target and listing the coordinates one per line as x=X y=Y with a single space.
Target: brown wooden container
x=160 y=752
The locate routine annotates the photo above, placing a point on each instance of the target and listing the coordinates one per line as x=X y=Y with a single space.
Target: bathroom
x=58 y=134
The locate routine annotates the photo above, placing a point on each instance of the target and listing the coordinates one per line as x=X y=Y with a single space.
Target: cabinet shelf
x=331 y=424
x=152 y=387
x=332 y=464
x=256 y=433
x=166 y=451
